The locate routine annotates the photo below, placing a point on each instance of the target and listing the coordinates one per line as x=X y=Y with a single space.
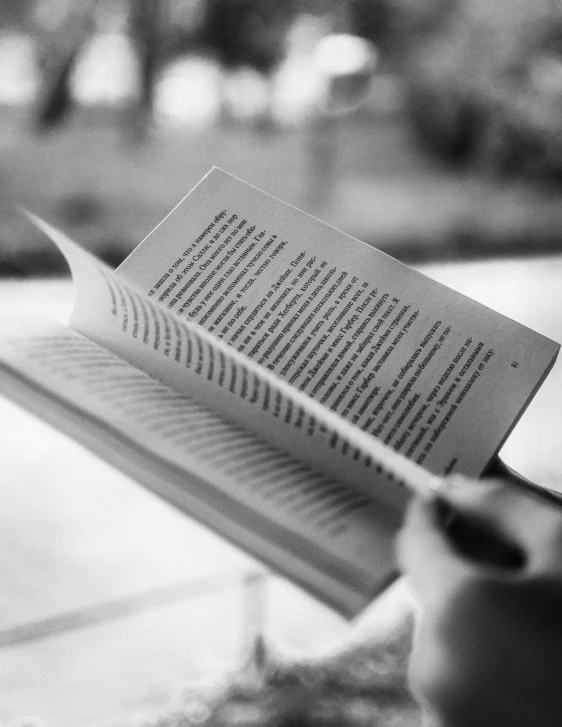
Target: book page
x=190 y=360
x=434 y=375
x=333 y=540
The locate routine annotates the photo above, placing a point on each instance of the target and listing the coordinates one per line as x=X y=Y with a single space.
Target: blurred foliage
x=486 y=87
x=363 y=686
x=13 y=13
x=395 y=25
x=483 y=77
x=247 y=32
x=237 y=32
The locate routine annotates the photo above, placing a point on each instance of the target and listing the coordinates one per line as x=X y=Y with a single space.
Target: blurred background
x=429 y=128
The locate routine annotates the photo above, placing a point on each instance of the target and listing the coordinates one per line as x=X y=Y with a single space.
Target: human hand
x=488 y=643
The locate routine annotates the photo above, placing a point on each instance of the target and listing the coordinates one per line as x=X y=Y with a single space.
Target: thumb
x=524 y=522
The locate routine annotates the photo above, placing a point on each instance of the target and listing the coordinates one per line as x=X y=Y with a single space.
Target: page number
x=514 y=364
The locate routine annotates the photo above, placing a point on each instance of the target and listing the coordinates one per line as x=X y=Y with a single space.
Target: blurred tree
x=396 y=24
x=183 y=21
x=486 y=86
x=62 y=29
x=146 y=31
x=14 y=13
x=239 y=32
x=371 y=19
x=247 y=32
x=483 y=77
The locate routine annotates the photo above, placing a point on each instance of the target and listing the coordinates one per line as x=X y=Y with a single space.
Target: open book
x=278 y=380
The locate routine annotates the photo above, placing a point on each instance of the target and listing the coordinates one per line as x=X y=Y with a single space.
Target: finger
x=427 y=556
x=520 y=518
x=448 y=542
x=430 y=554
